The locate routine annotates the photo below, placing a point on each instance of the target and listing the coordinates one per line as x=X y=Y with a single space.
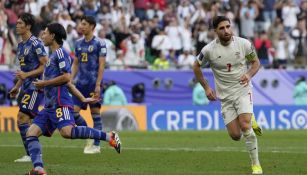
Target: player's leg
x=69 y=131
x=35 y=149
x=250 y=141
x=231 y=121
x=78 y=105
x=23 y=122
x=28 y=106
x=42 y=125
x=244 y=107
x=95 y=112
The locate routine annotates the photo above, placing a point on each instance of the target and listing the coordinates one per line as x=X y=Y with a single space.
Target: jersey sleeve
x=203 y=56
x=102 y=49
x=40 y=50
x=64 y=61
x=250 y=52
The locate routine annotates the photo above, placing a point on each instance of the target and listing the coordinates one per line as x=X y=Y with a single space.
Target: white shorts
x=231 y=109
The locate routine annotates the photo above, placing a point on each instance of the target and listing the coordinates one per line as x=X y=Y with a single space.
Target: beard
x=226 y=38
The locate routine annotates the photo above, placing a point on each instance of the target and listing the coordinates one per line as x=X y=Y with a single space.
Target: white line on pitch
x=289 y=150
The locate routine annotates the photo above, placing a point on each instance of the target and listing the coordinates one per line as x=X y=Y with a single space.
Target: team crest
x=237 y=55
x=90 y=48
x=48 y=63
x=26 y=51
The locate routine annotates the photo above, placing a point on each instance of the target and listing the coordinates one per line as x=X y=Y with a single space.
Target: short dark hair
x=218 y=19
x=59 y=32
x=90 y=19
x=28 y=19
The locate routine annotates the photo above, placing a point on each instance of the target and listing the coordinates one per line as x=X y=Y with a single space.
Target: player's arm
x=64 y=64
x=14 y=91
x=252 y=58
x=200 y=77
x=74 y=91
x=42 y=55
x=74 y=68
x=59 y=80
x=34 y=73
x=102 y=63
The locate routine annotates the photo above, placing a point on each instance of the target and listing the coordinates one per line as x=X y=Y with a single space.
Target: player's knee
x=245 y=127
x=235 y=137
x=65 y=133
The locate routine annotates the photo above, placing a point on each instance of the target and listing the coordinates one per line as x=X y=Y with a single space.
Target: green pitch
x=164 y=153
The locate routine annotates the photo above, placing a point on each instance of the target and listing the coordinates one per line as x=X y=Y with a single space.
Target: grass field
x=164 y=153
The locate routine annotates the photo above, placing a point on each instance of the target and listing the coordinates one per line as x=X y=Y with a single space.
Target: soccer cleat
x=115 y=141
x=23 y=159
x=255 y=126
x=88 y=146
x=92 y=150
x=37 y=172
x=257 y=169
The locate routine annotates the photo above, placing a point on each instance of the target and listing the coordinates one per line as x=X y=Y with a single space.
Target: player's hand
x=97 y=92
x=244 y=79
x=91 y=100
x=39 y=84
x=210 y=94
x=20 y=74
x=13 y=92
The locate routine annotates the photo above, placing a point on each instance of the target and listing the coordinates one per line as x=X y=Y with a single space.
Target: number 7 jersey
x=228 y=64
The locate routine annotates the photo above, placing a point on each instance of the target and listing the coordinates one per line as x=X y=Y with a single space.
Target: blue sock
x=79 y=120
x=23 y=128
x=35 y=150
x=97 y=125
x=84 y=132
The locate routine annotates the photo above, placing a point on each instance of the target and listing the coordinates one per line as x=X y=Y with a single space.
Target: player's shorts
x=51 y=119
x=231 y=109
x=30 y=101
x=87 y=91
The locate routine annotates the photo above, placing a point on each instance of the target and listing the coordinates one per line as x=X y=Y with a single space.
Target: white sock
x=251 y=146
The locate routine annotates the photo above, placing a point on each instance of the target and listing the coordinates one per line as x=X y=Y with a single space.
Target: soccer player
x=58 y=109
x=32 y=57
x=228 y=57
x=90 y=61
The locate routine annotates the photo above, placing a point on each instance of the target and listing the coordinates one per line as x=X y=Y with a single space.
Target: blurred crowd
x=167 y=34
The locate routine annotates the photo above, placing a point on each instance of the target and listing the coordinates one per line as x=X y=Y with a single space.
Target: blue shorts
x=30 y=101
x=51 y=119
x=86 y=91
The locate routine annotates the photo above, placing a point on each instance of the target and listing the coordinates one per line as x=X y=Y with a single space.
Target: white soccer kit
x=228 y=64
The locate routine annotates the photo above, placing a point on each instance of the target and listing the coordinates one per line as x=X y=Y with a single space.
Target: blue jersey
x=28 y=54
x=57 y=96
x=88 y=54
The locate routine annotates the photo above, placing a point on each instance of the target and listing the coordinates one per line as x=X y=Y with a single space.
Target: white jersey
x=228 y=64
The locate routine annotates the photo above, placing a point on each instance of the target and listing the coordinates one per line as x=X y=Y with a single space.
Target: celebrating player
x=58 y=109
x=228 y=57
x=32 y=57
x=90 y=61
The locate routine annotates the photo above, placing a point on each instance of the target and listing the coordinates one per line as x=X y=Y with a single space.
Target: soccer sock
x=84 y=132
x=79 y=120
x=35 y=150
x=23 y=128
x=251 y=146
x=97 y=125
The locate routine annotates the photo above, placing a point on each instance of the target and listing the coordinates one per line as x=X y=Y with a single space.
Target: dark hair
x=90 y=19
x=28 y=19
x=218 y=19
x=58 y=31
